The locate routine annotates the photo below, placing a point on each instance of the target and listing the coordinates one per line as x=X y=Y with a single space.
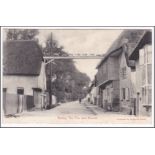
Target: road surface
x=72 y=113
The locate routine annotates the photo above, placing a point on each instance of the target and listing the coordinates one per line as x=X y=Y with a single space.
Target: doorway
x=20 y=93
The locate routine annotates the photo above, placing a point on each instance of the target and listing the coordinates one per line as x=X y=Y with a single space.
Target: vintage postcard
x=77 y=76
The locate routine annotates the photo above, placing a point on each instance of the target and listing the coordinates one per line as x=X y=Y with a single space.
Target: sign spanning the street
x=75 y=56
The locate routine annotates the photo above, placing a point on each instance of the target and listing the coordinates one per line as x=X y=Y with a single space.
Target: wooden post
x=50 y=88
x=137 y=104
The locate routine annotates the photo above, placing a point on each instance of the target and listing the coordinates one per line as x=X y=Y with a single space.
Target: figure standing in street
x=79 y=100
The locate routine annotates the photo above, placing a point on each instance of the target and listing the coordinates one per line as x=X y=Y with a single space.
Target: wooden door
x=35 y=97
x=20 y=93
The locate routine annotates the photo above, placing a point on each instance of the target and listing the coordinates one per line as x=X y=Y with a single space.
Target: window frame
x=124 y=72
x=20 y=90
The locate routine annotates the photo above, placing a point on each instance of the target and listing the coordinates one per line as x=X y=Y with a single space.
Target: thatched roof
x=131 y=37
x=146 y=39
x=21 y=58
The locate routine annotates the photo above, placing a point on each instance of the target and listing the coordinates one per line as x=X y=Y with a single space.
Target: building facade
x=93 y=93
x=24 y=79
x=127 y=87
x=118 y=76
x=108 y=83
x=142 y=55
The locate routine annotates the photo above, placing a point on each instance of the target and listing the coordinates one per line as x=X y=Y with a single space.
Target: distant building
x=93 y=93
x=115 y=77
x=24 y=77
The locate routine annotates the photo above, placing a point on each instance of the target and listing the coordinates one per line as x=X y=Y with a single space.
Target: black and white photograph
x=77 y=76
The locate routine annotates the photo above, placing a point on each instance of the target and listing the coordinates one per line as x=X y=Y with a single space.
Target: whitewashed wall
x=27 y=82
x=42 y=78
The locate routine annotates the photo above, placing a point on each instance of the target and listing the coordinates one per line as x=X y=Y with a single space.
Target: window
x=149 y=95
x=127 y=94
x=20 y=90
x=143 y=75
x=143 y=95
x=4 y=90
x=148 y=50
x=105 y=94
x=123 y=93
x=110 y=96
x=141 y=56
x=149 y=73
x=145 y=62
x=146 y=95
x=123 y=73
x=145 y=55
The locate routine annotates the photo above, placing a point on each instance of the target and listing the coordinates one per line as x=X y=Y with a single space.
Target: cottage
x=24 y=78
x=142 y=55
x=115 y=77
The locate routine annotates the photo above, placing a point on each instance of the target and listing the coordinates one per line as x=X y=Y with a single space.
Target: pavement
x=100 y=111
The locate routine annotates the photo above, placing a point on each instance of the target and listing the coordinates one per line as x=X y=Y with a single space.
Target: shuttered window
x=123 y=93
x=127 y=94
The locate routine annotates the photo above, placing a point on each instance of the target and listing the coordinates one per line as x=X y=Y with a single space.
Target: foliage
x=69 y=83
x=21 y=34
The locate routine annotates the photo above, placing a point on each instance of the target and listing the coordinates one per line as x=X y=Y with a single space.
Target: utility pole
x=50 y=76
x=50 y=99
x=50 y=87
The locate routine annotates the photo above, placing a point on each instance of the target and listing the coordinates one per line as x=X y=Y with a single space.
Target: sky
x=83 y=41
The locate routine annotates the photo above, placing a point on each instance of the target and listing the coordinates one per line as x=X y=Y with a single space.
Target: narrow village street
x=74 y=113
x=48 y=84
